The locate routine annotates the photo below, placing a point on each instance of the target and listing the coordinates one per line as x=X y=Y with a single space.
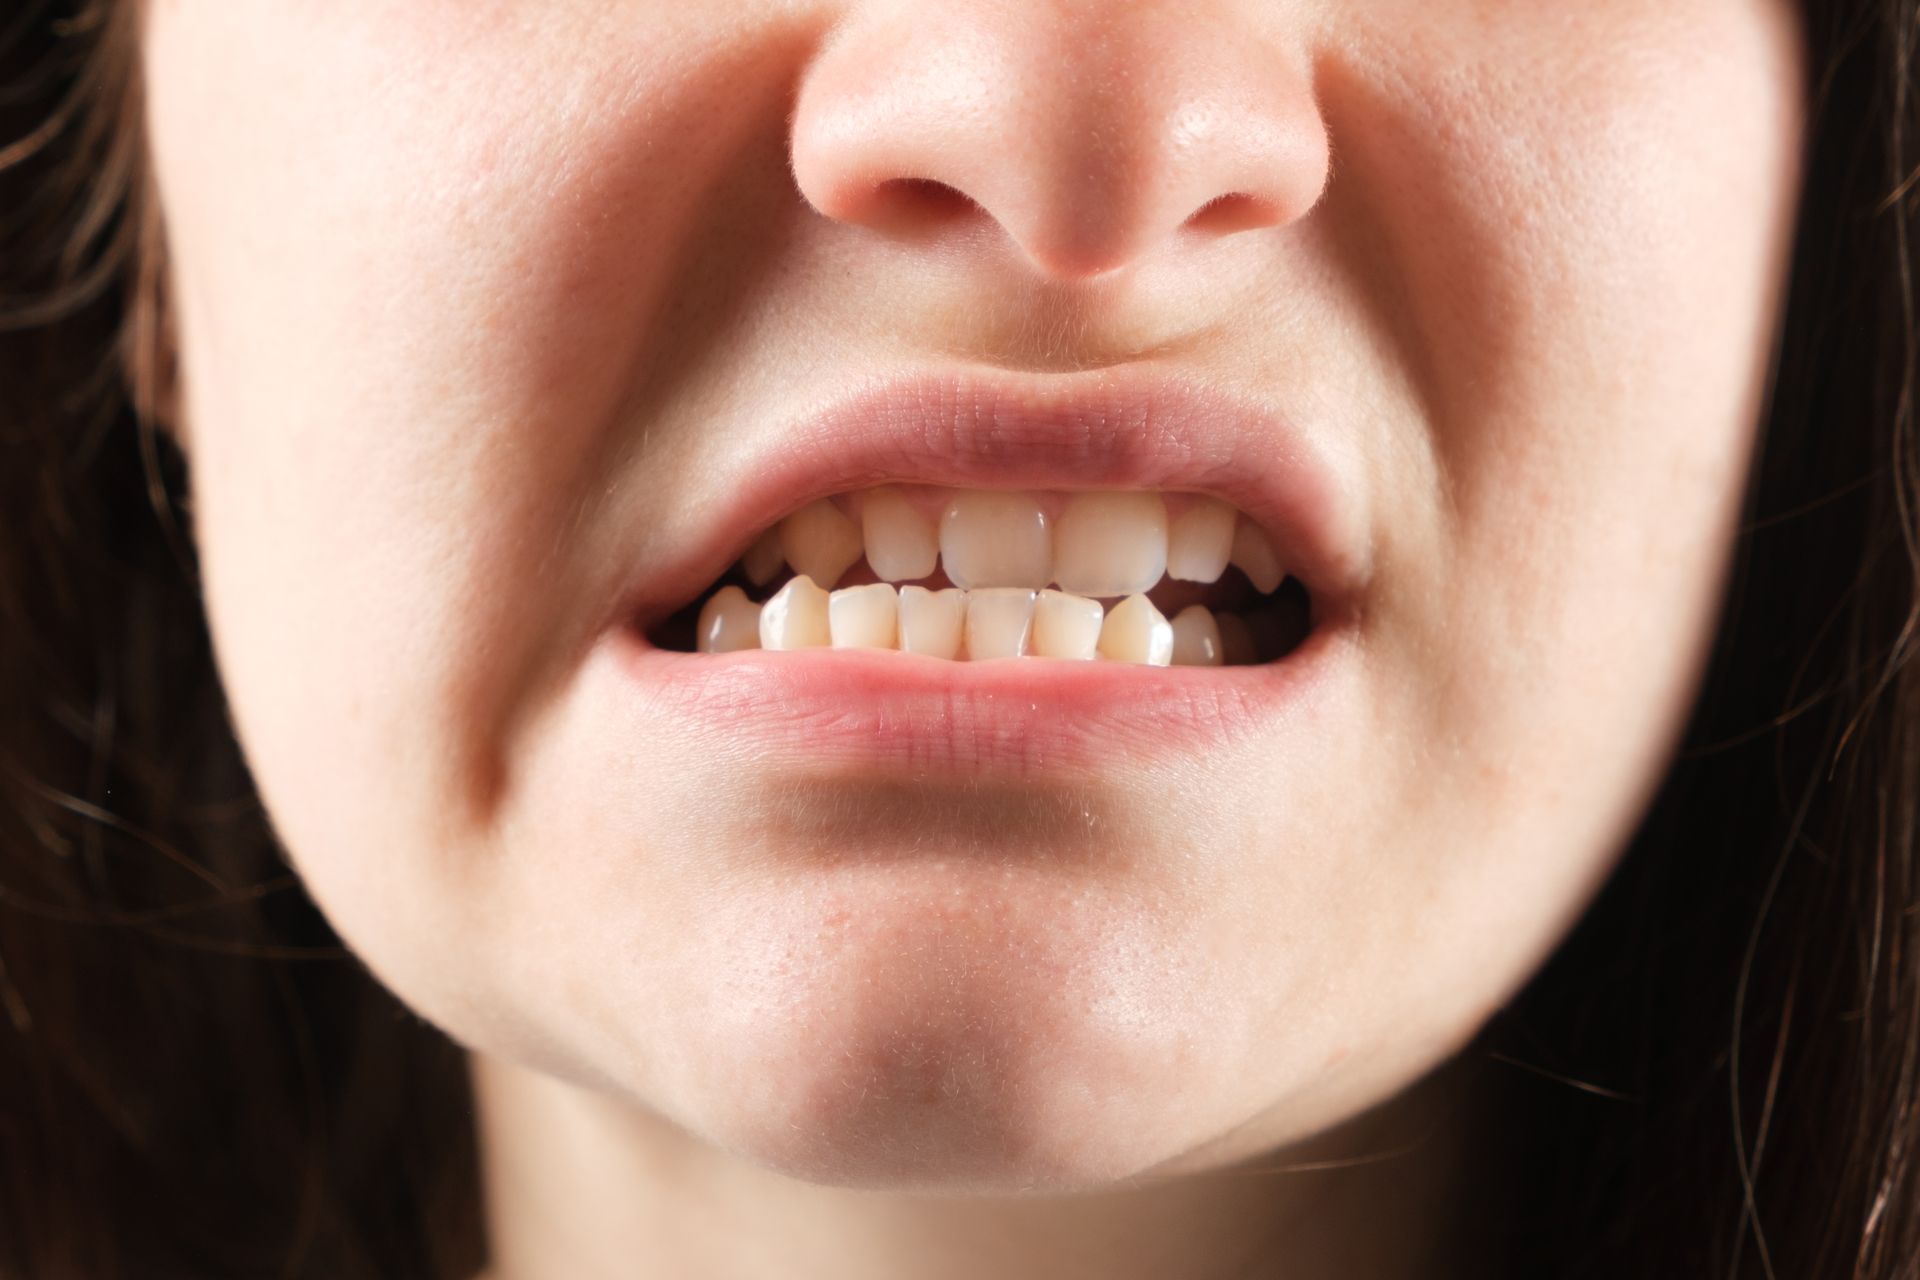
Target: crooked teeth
x=992 y=539
x=764 y=559
x=1030 y=572
x=1135 y=631
x=1110 y=544
x=1066 y=626
x=728 y=622
x=796 y=617
x=1255 y=557
x=1201 y=542
x=991 y=622
x=864 y=617
x=820 y=542
x=932 y=622
x=1196 y=638
x=999 y=622
x=900 y=541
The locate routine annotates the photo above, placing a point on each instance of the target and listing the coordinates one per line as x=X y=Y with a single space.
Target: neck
x=580 y=1185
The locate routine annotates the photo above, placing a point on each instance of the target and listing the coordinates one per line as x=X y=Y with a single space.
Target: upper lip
x=1128 y=427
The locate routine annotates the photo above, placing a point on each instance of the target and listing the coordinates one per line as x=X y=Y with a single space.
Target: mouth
x=938 y=565
x=1135 y=576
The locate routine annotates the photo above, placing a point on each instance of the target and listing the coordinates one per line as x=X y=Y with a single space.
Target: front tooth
x=1135 y=631
x=1200 y=542
x=820 y=542
x=764 y=559
x=796 y=617
x=1110 y=544
x=1196 y=638
x=931 y=622
x=900 y=541
x=996 y=539
x=1255 y=556
x=728 y=621
x=999 y=622
x=1066 y=626
x=864 y=617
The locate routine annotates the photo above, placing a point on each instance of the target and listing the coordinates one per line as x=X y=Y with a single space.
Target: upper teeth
x=1001 y=550
x=1091 y=544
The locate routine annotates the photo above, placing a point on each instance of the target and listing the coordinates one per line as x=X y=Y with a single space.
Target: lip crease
x=1027 y=717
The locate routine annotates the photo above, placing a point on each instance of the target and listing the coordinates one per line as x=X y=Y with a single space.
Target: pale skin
x=482 y=305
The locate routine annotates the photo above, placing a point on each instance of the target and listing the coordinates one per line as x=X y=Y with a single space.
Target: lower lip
x=887 y=711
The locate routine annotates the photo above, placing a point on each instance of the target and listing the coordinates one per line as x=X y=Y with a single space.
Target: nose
x=1090 y=132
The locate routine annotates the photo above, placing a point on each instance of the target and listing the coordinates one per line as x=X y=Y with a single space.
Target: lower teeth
x=997 y=623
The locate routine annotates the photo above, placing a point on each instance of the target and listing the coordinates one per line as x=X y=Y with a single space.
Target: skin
x=479 y=306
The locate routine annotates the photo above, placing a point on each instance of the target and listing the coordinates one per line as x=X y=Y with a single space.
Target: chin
x=1009 y=1048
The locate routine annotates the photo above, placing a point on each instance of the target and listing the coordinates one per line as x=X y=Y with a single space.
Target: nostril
x=1234 y=211
x=922 y=202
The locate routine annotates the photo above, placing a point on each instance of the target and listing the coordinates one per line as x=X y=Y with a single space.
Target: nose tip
x=1089 y=135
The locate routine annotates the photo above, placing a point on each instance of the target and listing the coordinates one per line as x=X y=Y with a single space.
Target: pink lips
x=1107 y=429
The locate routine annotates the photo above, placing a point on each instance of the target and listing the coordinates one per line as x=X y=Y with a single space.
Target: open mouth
x=1134 y=576
x=1001 y=572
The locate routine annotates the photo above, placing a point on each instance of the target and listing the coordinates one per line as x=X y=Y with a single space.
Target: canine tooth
x=728 y=621
x=996 y=539
x=864 y=617
x=1065 y=626
x=1110 y=544
x=764 y=559
x=1135 y=631
x=819 y=541
x=931 y=622
x=1236 y=640
x=1200 y=542
x=1255 y=556
x=900 y=542
x=796 y=617
x=1196 y=638
x=999 y=622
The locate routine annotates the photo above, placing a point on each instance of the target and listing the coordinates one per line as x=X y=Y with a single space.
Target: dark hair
x=196 y=1078
x=1717 y=1074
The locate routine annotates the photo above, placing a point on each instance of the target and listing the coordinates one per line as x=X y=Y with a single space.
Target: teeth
x=1196 y=638
x=728 y=621
x=1025 y=580
x=764 y=559
x=796 y=617
x=931 y=622
x=819 y=541
x=1110 y=544
x=1135 y=631
x=864 y=617
x=995 y=539
x=900 y=542
x=1255 y=557
x=1236 y=640
x=1200 y=542
x=994 y=622
x=1065 y=626
x=999 y=621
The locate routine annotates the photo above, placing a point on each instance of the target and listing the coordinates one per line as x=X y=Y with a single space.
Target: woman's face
x=505 y=326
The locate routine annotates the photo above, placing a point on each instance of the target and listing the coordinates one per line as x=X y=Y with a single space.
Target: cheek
x=1574 y=248
x=419 y=276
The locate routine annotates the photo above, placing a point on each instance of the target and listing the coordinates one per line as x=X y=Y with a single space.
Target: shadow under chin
x=971 y=1108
